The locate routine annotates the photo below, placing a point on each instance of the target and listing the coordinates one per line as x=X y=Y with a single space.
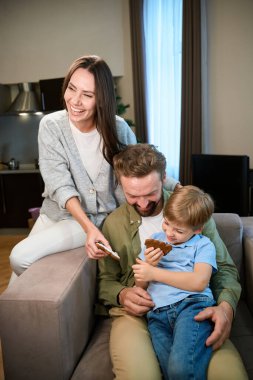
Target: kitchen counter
x=19 y=171
x=28 y=168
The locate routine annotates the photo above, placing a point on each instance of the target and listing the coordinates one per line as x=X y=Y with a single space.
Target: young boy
x=179 y=285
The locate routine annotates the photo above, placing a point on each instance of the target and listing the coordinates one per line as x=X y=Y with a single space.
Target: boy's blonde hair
x=189 y=205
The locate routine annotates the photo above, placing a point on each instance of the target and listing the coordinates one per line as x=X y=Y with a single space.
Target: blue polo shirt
x=182 y=257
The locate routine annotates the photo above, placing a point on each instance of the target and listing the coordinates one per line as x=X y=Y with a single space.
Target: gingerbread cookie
x=166 y=248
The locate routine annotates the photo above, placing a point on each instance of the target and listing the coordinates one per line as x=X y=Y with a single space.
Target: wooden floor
x=7 y=242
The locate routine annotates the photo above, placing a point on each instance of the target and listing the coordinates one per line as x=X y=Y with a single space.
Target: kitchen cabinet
x=51 y=94
x=19 y=191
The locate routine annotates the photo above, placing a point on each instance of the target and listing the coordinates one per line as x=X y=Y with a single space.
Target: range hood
x=26 y=101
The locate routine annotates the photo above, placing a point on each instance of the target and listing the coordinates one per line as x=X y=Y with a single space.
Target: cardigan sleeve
x=54 y=164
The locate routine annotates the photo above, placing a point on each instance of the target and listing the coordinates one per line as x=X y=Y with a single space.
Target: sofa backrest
x=230 y=229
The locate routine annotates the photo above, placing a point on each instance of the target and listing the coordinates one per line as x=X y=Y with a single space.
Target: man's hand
x=222 y=317
x=136 y=301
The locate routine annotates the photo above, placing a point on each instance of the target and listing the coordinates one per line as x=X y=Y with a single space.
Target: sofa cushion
x=248 y=250
x=242 y=335
x=96 y=361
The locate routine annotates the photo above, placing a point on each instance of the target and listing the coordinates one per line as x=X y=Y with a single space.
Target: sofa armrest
x=248 y=255
x=46 y=317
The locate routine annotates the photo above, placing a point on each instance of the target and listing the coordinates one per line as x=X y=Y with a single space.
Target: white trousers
x=46 y=237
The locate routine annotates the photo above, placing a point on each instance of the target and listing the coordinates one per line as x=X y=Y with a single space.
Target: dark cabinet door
x=19 y=192
x=2 y=201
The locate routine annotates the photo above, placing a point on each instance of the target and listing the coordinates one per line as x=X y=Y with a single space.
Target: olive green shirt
x=121 y=230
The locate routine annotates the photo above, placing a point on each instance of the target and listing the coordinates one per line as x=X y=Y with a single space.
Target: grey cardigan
x=65 y=176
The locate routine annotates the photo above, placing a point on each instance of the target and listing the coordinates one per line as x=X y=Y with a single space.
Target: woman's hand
x=94 y=235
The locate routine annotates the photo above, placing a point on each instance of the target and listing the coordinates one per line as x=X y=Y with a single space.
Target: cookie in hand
x=166 y=248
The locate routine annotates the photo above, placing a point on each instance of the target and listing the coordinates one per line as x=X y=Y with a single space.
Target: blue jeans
x=179 y=340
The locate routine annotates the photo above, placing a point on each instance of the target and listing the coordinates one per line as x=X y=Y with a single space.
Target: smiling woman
x=76 y=148
x=80 y=100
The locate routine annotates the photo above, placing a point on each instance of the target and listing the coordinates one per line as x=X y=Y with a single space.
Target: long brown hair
x=105 y=101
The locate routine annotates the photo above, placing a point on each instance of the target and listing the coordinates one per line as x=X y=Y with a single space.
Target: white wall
x=40 y=39
x=230 y=71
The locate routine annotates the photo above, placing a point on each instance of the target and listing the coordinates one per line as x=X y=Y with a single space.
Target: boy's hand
x=153 y=256
x=143 y=271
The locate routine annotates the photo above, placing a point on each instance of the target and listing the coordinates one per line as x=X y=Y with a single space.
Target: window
x=163 y=50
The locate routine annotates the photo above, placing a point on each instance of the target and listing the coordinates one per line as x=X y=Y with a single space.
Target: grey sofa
x=47 y=324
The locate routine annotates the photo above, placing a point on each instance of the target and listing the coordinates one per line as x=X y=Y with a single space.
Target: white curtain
x=163 y=49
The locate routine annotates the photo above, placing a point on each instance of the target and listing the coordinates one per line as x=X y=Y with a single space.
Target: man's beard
x=150 y=211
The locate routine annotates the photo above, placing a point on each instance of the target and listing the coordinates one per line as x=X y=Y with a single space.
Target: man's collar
x=134 y=216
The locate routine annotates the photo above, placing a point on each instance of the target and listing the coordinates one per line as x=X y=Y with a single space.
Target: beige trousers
x=133 y=357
